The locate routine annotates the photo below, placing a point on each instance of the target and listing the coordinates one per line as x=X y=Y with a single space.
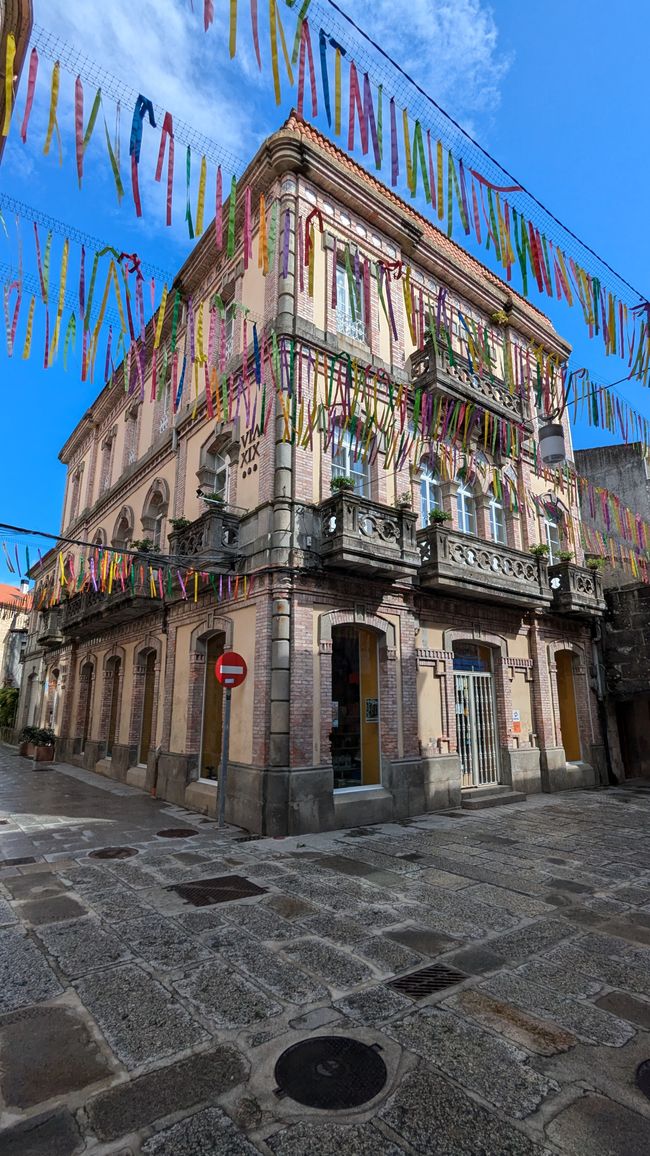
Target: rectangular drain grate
x=418 y=984
x=225 y=889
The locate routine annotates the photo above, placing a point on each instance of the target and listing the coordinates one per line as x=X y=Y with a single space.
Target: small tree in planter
x=596 y=564
x=37 y=743
x=565 y=555
x=178 y=524
x=539 y=551
x=404 y=501
x=342 y=484
x=142 y=545
x=439 y=517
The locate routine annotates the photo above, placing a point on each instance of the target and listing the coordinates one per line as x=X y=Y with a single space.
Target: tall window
x=497 y=519
x=229 y=331
x=465 y=508
x=430 y=494
x=165 y=407
x=75 y=489
x=107 y=463
x=350 y=306
x=345 y=463
x=154 y=512
x=553 y=537
x=221 y=472
x=131 y=435
x=123 y=531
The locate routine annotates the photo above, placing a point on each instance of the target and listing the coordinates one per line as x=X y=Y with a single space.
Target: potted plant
x=565 y=555
x=596 y=563
x=37 y=743
x=215 y=499
x=178 y=524
x=540 y=550
x=142 y=545
x=341 y=484
x=404 y=501
x=438 y=517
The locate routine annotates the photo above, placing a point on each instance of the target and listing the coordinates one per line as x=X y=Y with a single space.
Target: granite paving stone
x=434 y=1116
x=374 y=1005
x=561 y=981
x=386 y=956
x=476 y=959
x=531 y=940
x=205 y=919
x=638 y=896
x=54 y=910
x=137 y=1016
x=268 y=968
x=425 y=942
x=206 y=1133
x=625 y=968
x=131 y=1106
x=518 y=1026
x=261 y=922
x=512 y=901
x=118 y=904
x=34 y=1041
x=42 y=885
x=160 y=942
x=314 y=1139
x=583 y=1020
x=288 y=906
x=337 y=928
x=437 y=878
x=52 y=1134
x=226 y=998
x=337 y=969
x=7 y=913
x=25 y=976
x=82 y=945
x=601 y=1127
x=626 y=1007
x=494 y=1068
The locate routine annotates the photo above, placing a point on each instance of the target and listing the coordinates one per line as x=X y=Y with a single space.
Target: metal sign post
x=230 y=670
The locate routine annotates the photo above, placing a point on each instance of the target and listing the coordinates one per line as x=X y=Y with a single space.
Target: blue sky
x=554 y=90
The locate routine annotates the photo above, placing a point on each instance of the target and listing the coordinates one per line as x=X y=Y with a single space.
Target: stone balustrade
x=368 y=537
x=467 y=566
x=576 y=589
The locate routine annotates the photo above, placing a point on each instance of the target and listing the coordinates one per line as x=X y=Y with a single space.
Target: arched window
x=155 y=512
x=123 y=532
x=497 y=518
x=215 y=471
x=100 y=538
x=346 y=463
x=430 y=493
x=465 y=508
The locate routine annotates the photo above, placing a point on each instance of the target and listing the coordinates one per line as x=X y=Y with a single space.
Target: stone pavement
x=134 y=1022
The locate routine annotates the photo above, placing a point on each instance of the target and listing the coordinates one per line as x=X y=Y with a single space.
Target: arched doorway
x=355 y=735
x=212 y=728
x=566 y=694
x=113 y=673
x=477 y=736
x=147 y=707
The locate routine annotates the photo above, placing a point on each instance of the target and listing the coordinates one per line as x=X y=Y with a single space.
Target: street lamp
x=24 y=586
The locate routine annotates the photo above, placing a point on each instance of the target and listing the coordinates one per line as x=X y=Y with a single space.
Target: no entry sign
x=230 y=669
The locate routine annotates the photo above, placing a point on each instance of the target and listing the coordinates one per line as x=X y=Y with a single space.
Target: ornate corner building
x=406 y=650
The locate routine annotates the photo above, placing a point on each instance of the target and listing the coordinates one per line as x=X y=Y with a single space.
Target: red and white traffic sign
x=230 y=669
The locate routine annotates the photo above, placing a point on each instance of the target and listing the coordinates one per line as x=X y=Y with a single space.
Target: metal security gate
x=476 y=729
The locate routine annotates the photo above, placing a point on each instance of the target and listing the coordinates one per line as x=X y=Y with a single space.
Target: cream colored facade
x=394 y=667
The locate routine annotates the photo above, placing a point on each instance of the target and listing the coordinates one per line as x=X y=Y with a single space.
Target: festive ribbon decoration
x=143 y=107
x=52 y=123
x=10 y=56
x=167 y=136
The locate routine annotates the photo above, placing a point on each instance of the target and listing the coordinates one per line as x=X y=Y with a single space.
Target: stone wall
x=626 y=635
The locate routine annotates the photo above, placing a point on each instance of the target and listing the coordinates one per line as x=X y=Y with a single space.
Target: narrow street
x=144 y=1015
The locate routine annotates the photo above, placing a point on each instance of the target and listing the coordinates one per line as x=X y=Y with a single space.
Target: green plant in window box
x=565 y=555
x=596 y=563
x=341 y=484
x=215 y=499
x=540 y=550
x=404 y=501
x=142 y=545
x=439 y=517
x=179 y=524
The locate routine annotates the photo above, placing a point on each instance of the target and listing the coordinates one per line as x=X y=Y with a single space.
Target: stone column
x=552 y=757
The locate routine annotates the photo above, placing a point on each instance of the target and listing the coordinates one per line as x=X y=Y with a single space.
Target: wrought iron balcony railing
x=367 y=537
x=467 y=566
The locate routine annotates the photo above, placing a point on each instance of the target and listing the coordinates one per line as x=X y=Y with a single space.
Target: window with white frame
x=131 y=434
x=465 y=508
x=165 y=404
x=350 y=305
x=348 y=462
x=229 y=331
x=552 y=531
x=106 y=463
x=497 y=519
x=221 y=467
x=430 y=493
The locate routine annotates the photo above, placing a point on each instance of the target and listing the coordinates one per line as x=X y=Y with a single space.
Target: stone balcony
x=92 y=611
x=469 y=567
x=575 y=589
x=367 y=537
x=212 y=538
x=49 y=633
x=459 y=381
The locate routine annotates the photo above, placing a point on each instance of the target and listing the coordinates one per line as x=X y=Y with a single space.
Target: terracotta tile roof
x=11 y=596
x=296 y=124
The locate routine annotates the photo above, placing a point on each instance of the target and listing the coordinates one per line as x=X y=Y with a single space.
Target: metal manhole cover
x=643 y=1078
x=428 y=980
x=330 y=1072
x=113 y=853
x=224 y=889
x=177 y=833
